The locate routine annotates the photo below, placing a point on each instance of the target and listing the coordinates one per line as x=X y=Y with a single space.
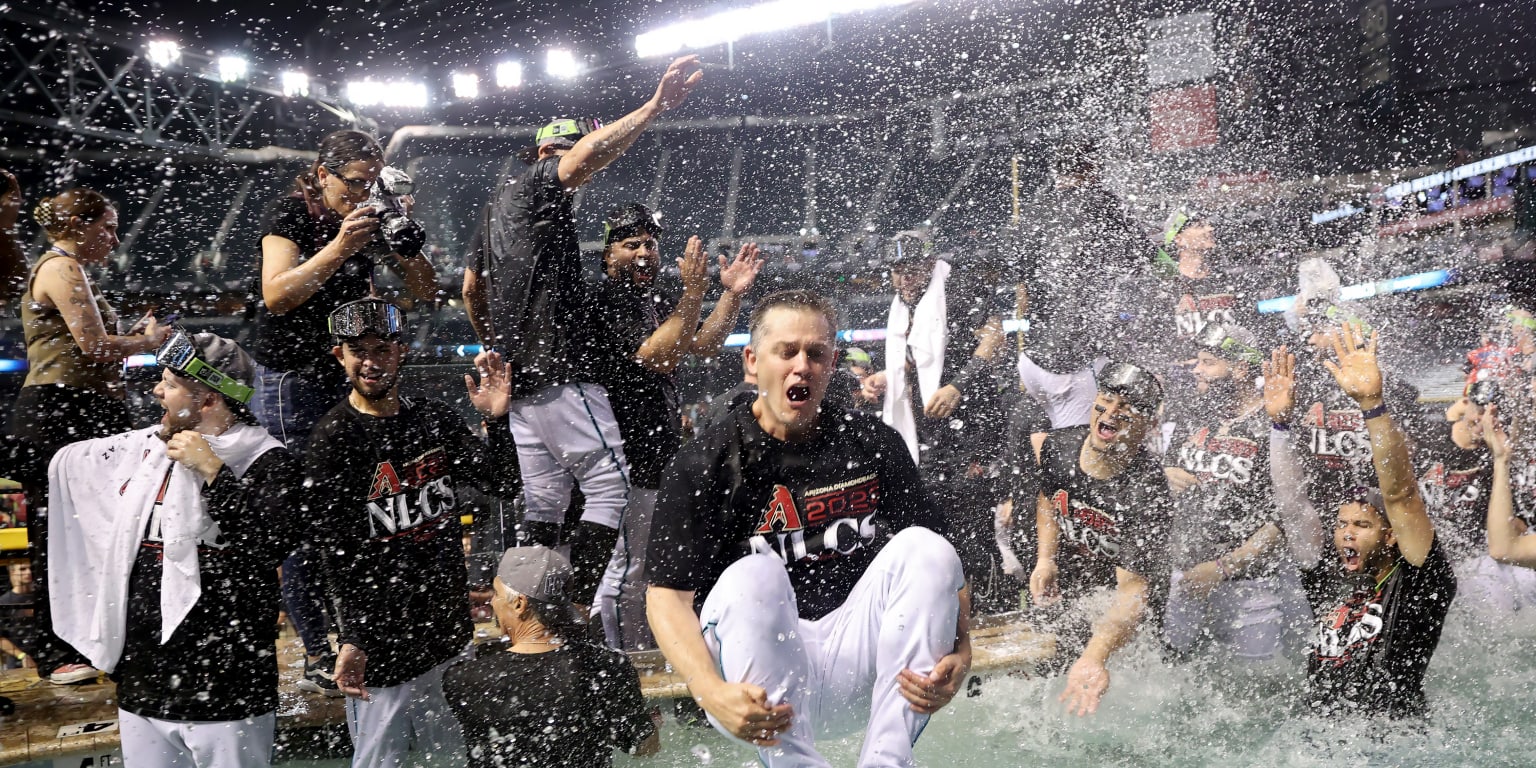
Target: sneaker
x=319 y=677
x=73 y=674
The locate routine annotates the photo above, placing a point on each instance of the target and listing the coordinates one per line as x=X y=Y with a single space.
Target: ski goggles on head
x=179 y=353
x=1516 y=317
x=1324 y=316
x=1215 y=339
x=1139 y=389
x=366 y=316
x=570 y=129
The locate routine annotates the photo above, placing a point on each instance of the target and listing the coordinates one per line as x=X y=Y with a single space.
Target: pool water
x=1481 y=690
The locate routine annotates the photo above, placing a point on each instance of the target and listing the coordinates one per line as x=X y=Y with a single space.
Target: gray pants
x=412 y=717
x=621 y=597
x=566 y=435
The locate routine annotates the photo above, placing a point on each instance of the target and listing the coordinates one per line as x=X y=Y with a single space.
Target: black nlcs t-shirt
x=645 y=402
x=1330 y=434
x=1234 y=498
x=300 y=340
x=824 y=506
x=1124 y=521
x=1372 y=644
x=221 y=663
x=386 y=517
x=1457 y=487
x=567 y=708
x=529 y=255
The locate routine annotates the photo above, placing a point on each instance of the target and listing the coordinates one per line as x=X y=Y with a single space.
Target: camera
x=403 y=235
x=1484 y=392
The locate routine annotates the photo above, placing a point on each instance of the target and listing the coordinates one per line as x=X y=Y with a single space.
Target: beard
x=1221 y=393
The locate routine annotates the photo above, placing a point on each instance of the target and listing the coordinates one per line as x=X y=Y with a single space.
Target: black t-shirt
x=529 y=255
x=1183 y=307
x=567 y=708
x=1457 y=487
x=1124 y=521
x=1373 y=644
x=221 y=663
x=1019 y=471
x=300 y=340
x=645 y=402
x=387 y=520
x=825 y=506
x=1332 y=440
x=1234 y=498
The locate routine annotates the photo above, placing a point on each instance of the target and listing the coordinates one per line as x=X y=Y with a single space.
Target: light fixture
x=387 y=93
x=294 y=84
x=232 y=68
x=164 y=53
x=509 y=74
x=561 y=64
x=730 y=26
x=466 y=85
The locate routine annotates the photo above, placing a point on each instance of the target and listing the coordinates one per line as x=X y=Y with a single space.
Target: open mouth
x=1351 y=557
x=798 y=393
x=1106 y=430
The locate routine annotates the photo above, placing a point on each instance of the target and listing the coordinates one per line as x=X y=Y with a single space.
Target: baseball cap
x=856 y=356
x=629 y=219
x=1140 y=388
x=542 y=575
x=213 y=360
x=906 y=247
x=564 y=132
x=364 y=316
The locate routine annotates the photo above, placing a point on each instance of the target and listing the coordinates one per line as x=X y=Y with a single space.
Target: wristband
x=1377 y=412
x=1280 y=426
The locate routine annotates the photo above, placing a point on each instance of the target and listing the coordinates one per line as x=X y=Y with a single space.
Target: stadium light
x=164 y=53
x=730 y=26
x=294 y=84
x=466 y=85
x=232 y=68
x=388 y=93
x=561 y=64
x=509 y=74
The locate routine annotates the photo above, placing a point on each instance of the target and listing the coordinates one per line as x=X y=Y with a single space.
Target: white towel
x=100 y=496
x=929 y=324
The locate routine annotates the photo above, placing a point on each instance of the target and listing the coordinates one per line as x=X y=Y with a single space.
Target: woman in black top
x=319 y=253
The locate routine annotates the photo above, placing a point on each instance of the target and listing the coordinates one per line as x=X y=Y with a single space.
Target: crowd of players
x=1152 y=458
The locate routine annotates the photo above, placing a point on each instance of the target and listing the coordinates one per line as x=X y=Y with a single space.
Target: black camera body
x=400 y=232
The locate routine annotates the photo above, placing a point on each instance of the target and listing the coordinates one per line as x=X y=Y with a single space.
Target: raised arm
x=1507 y=542
x=1359 y=376
x=736 y=277
x=666 y=347
x=62 y=282
x=597 y=149
x=1299 y=521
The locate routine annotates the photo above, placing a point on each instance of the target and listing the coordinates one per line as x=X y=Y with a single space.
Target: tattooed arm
x=63 y=284
x=597 y=149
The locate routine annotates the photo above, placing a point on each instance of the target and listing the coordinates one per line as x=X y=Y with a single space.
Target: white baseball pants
x=566 y=434
x=1066 y=397
x=839 y=672
x=621 y=595
x=412 y=717
x=197 y=744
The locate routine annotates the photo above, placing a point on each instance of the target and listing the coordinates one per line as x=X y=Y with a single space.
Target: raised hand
x=1357 y=371
x=738 y=274
x=693 y=267
x=681 y=77
x=492 y=396
x=1494 y=435
x=1280 y=385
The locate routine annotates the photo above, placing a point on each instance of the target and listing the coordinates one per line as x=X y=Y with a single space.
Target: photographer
x=320 y=252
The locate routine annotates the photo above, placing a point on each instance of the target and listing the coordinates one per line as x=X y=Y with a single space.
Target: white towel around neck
x=100 y=496
x=929 y=324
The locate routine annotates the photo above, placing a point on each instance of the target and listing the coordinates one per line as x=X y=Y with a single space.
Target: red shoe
x=71 y=674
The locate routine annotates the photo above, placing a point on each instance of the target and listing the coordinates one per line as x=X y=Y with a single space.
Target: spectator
x=18 y=629
x=546 y=697
x=74 y=386
x=13 y=260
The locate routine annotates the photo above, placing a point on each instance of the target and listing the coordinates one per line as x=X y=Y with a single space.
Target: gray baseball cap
x=540 y=574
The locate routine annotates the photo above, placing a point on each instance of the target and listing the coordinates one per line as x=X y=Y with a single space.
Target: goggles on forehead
x=1214 y=339
x=1323 y=316
x=1139 y=388
x=1515 y=317
x=179 y=353
x=571 y=129
x=366 y=316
